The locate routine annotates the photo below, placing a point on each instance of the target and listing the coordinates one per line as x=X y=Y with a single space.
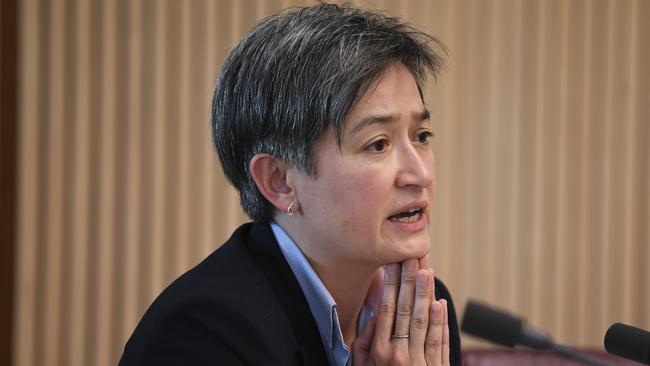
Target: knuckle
x=418 y=323
x=404 y=309
x=421 y=293
x=379 y=354
x=398 y=359
x=386 y=307
x=408 y=278
x=389 y=283
x=433 y=342
x=390 y=280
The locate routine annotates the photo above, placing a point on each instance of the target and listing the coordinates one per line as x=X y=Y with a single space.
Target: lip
x=410 y=227
x=422 y=205
x=415 y=226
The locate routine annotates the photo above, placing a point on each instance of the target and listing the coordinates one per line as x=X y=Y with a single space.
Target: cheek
x=364 y=196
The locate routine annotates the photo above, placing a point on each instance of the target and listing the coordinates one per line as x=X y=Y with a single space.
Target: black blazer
x=241 y=306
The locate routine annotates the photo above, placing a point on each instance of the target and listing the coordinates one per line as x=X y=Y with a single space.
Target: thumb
x=361 y=346
x=373 y=298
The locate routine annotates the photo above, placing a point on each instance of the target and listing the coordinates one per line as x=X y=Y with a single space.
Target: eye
x=424 y=137
x=379 y=145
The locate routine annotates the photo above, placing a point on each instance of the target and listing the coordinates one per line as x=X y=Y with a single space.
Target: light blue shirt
x=321 y=303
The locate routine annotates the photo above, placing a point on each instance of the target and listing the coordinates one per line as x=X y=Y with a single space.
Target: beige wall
x=542 y=123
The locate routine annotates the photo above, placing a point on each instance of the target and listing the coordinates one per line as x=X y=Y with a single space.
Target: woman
x=319 y=122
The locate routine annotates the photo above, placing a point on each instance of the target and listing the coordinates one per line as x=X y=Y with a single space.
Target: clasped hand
x=410 y=326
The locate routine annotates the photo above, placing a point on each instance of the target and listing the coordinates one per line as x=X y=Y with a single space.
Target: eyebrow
x=370 y=120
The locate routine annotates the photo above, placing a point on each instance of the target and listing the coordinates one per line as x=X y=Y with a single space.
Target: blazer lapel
x=265 y=252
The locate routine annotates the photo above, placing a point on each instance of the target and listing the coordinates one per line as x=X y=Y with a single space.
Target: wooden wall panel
x=543 y=162
x=9 y=69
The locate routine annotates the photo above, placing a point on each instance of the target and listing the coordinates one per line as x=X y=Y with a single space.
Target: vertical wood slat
x=512 y=113
x=145 y=150
x=80 y=242
x=130 y=306
x=9 y=71
x=543 y=166
x=107 y=203
x=183 y=131
x=158 y=138
x=198 y=113
x=172 y=141
x=209 y=211
x=96 y=54
x=642 y=108
x=26 y=252
x=560 y=302
x=491 y=112
x=632 y=188
x=606 y=166
x=582 y=299
x=52 y=245
x=595 y=166
x=68 y=188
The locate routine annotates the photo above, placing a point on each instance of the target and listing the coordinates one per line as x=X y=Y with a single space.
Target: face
x=369 y=201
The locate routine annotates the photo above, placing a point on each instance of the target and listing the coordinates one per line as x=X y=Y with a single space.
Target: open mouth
x=411 y=215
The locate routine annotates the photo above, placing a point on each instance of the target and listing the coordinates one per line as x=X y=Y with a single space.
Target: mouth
x=408 y=216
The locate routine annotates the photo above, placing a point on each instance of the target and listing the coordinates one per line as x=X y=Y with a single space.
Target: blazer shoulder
x=222 y=309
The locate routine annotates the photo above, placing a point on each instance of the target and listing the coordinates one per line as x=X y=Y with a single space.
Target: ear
x=270 y=176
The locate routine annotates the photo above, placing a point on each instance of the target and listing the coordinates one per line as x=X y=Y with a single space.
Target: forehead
x=394 y=95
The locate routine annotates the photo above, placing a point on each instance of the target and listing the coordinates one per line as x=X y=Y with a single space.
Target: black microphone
x=628 y=342
x=507 y=330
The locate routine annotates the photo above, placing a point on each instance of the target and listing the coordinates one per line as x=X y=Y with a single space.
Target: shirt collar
x=321 y=303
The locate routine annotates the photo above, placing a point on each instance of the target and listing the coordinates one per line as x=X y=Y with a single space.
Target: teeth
x=412 y=218
x=413 y=210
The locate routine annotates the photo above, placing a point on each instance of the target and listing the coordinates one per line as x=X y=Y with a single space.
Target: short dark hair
x=298 y=73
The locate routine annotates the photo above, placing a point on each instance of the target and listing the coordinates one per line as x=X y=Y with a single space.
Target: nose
x=415 y=167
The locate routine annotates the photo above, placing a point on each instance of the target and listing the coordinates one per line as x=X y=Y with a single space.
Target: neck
x=349 y=289
x=348 y=282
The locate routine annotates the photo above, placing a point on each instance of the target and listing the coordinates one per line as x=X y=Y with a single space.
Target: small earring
x=290 y=211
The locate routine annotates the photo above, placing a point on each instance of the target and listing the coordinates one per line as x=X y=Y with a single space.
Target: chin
x=420 y=249
x=414 y=248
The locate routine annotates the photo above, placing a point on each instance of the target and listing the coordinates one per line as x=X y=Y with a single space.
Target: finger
x=445 y=333
x=433 y=344
x=424 y=262
x=406 y=295
x=362 y=345
x=373 y=298
x=386 y=309
x=420 y=318
x=433 y=284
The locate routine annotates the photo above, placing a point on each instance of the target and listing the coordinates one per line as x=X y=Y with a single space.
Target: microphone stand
x=567 y=352
x=539 y=341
